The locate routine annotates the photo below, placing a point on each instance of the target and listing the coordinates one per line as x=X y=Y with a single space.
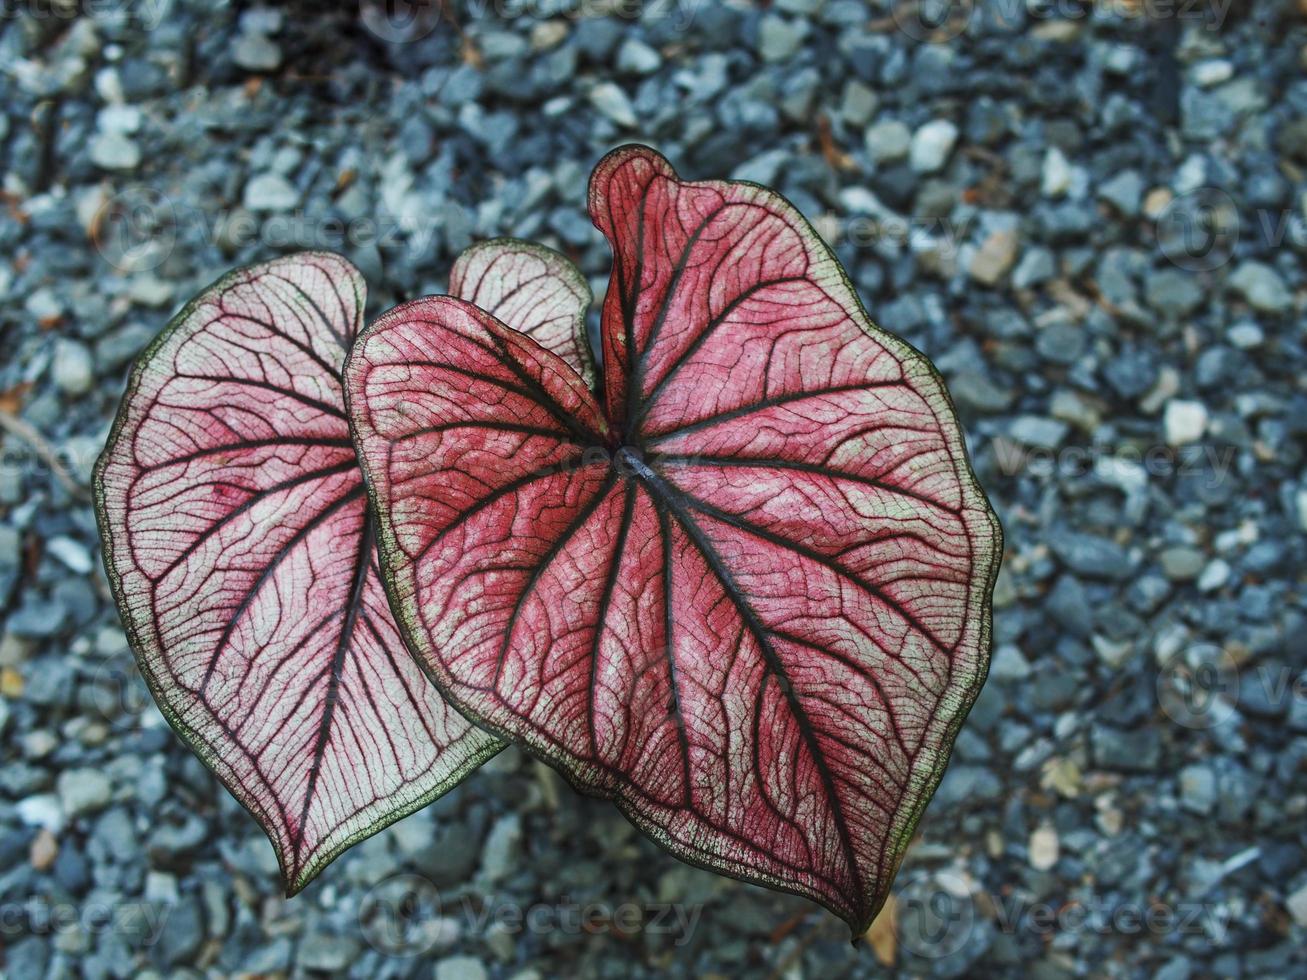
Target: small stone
x=1123 y=192
x=1198 y=788
x=460 y=968
x=1181 y=563
x=779 y=38
x=256 y=52
x=1091 y=555
x=609 y=99
x=1156 y=201
x=1061 y=342
x=161 y=887
x=888 y=141
x=83 y=791
x=123 y=120
x=44 y=850
x=931 y=146
x=181 y=939
x=1009 y=664
x=1211 y=72
x=1037 y=265
x=114 y=151
x=1296 y=903
x=71 y=553
x=994 y=257
x=1262 y=287
x=1246 y=335
x=43 y=810
x=1035 y=430
x=500 y=851
x=638 y=58
x=1215 y=575
x=327 y=953
x=974 y=390
x=1300 y=505
x=1127 y=751
x=549 y=34
x=1184 y=421
x=1062 y=775
x=270 y=192
x=1043 y=847
x=1164 y=388
x=968 y=784
x=1055 y=179
x=1173 y=292
x=73 y=368
x=858 y=104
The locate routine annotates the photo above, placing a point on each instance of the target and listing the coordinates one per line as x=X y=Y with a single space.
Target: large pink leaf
x=241 y=552
x=749 y=597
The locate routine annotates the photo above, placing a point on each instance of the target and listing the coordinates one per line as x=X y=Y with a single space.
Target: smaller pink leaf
x=533 y=289
x=240 y=549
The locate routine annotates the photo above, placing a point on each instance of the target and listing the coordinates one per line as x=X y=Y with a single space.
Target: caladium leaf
x=240 y=550
x=533 y=289
x=748 y=597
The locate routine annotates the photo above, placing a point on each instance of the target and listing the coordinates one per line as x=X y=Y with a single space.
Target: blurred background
x=1091 y=215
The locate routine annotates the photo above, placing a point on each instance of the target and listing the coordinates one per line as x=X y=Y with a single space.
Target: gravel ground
x=1093 y=222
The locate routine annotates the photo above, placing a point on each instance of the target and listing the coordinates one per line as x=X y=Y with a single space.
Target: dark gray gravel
x=1095 y=224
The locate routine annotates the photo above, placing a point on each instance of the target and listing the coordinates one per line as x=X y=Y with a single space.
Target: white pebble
x=1043 y=847
x=1215 y=575
x=1184 y=421
x=42 y=810
x=72 y=370
x=1212 y=72
x=1056 y=174
x=613 y=103
x=270 y=192
x=931 y=146
x=83 y=791
x=113 y=151
x=72 y=553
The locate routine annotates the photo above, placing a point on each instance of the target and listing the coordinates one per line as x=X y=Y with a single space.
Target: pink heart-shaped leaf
x=748 y=596
x=240 y=549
